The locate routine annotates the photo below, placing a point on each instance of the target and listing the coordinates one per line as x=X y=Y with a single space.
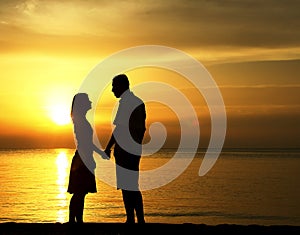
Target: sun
x=60 y=114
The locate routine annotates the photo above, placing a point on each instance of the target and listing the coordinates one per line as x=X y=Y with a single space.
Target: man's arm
x=111 y=142
x=137 y=126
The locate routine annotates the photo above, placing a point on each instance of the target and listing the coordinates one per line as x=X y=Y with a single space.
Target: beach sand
x=149 y=228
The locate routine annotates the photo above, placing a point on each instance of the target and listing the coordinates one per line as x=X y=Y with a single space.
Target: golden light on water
x=62 y=164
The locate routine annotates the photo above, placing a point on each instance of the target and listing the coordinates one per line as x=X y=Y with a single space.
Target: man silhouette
x=127 y=140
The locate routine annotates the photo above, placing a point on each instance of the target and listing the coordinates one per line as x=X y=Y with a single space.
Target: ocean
x=245 y=186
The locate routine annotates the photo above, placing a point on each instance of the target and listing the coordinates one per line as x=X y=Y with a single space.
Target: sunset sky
x=251 y=48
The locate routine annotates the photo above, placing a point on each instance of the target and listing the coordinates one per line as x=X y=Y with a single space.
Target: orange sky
x=251 y=49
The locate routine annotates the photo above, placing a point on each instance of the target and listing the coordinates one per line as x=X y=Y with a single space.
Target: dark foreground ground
x=149 y=228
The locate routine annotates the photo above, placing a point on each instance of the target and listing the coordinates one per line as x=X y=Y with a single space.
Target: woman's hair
x=79 y=105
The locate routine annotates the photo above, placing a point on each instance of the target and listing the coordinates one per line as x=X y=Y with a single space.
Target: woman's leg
x=76 y=208
x=72 y=209
x=79 y=214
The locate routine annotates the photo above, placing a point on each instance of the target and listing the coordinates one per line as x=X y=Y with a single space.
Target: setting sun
x=60 y=115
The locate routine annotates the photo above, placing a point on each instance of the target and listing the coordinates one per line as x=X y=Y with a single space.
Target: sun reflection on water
x=62 y=164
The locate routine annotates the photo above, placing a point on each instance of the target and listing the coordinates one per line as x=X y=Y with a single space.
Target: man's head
x=120 y=84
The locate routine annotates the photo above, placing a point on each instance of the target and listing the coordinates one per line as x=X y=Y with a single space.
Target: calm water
x=244 y=187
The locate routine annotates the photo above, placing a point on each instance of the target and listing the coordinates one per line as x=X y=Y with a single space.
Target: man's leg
x=129 y=206
x=139 y=208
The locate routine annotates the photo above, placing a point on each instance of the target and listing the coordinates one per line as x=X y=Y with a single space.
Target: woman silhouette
x=82 y=179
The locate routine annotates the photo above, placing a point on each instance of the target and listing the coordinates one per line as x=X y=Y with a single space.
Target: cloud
x=230 y=23
x=226 y=29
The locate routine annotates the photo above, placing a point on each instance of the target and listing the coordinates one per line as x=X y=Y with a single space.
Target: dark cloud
x=183 y=24
x=230 y=23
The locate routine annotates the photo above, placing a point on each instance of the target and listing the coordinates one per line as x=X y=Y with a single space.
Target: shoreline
x=148 y=228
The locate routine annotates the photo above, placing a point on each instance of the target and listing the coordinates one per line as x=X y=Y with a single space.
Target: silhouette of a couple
x=126 y=138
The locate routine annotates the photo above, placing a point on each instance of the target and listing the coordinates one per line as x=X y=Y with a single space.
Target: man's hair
x=122 y=79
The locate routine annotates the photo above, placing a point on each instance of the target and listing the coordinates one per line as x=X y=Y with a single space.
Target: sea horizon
x=199 y=149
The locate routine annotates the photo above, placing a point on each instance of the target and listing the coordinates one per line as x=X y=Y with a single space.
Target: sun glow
x=60 y=114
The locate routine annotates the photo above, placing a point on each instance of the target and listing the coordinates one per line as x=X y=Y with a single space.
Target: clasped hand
x=104 y=154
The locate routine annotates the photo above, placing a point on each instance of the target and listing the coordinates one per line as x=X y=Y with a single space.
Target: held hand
x=102 y=154
x=105 y=156
x=107 y=153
